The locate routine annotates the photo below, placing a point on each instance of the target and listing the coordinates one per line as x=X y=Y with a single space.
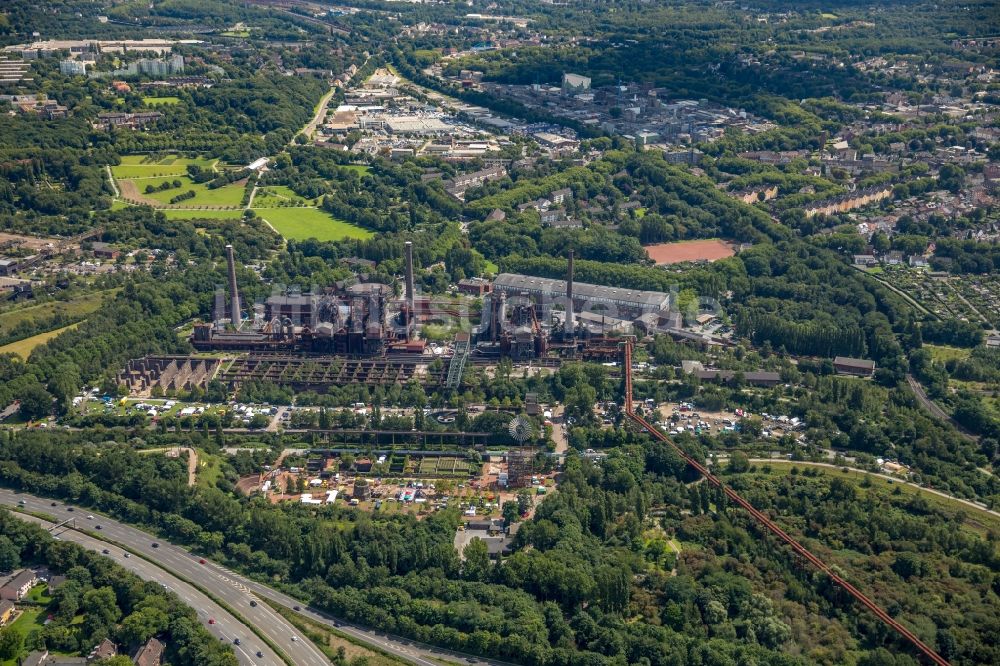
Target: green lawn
x=209 y=469
x=274 y=196
x=23 y=348
x=38 y=595
x=228 y=195
x=78 y=307
x=944 y=353
x=303 y=223
x=29 y=619
x=134 y=166
x=202 y=214
x=158 y=101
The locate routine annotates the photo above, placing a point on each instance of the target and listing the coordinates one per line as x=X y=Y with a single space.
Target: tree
x=524 y=501
x=101 y=611
x=510 y=512
x=36 y=402
x=11 y=642
x=476 y=566
x=10 y=555
x=738 y=462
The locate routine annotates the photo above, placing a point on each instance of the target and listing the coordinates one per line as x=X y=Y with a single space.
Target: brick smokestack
x=570 y=325
x=408 y=248
x=233 y=292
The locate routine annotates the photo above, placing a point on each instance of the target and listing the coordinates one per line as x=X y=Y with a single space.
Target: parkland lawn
x=303 y=223
x=136 y=166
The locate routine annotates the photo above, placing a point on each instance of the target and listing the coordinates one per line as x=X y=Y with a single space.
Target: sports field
x=303 y=223
x=696 y=250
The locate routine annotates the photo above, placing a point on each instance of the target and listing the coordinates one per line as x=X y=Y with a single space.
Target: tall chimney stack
x=409 y=273
x=570 y=324
x=408 y=248
x=233 y=292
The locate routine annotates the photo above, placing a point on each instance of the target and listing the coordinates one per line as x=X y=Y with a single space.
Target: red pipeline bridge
x=769 y=524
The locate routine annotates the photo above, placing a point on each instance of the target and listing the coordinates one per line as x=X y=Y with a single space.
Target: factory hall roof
x=648 y=300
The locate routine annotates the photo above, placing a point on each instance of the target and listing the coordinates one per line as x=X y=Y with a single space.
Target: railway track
x=769 y=525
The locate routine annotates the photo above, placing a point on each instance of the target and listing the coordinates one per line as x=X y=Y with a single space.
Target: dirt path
x=131 y=193
x=111 y=179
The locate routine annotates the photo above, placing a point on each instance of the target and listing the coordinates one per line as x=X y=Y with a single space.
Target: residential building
x=857 y=367
x=104 y=650
x=18 y=585
x=6 y=611
x=150 y=654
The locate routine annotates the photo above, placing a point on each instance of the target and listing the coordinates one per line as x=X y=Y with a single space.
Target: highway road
x=237 y=591
x=174 y=560
x=226 y=627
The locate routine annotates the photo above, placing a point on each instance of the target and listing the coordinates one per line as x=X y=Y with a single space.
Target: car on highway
x=201 y=561
x=98 y=527
x=295 y=638
x=253 y=603
x=211 y=620
x=90 y=517
x=54 y=504
x=128 y=554
x=156 y=545
x=106 y=551
x=296 y=608
x=69 y=508
x=236 y=641
x=259 y=653
x=21 y=502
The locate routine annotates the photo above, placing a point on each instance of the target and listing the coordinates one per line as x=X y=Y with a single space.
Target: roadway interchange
x=172 y=564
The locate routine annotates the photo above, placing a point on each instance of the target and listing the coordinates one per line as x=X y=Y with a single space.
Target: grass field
x=273 y=196
x=133 y=166
x=209 y=469
x=160 y=101
x=78 y=307
x=23 y=348
x=303 y=223
x=943 y=353
x=228 y=195
x=30 y=618
x=172 y=214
